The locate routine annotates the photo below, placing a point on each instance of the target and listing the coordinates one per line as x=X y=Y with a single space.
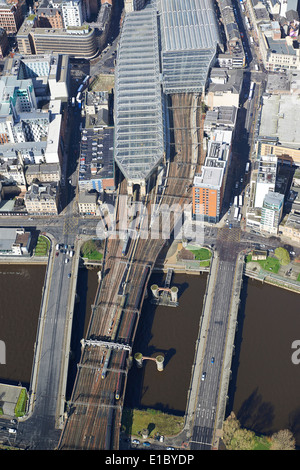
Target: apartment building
x=209 y=185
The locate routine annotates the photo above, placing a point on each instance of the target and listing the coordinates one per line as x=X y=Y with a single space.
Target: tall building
x=266 y=178
x=271 y=212
x=189 y=42
x=209 y=185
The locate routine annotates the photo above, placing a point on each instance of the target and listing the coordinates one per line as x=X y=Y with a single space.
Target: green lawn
x=134 y=421
x=203 y=254
x=42 y=246
x=270 y=264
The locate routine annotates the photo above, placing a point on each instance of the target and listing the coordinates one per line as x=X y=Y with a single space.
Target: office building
x=72 y=13
x=49 y=74
x=189 y=43
x=266 y=178
x=79 y=42
x=279 y=127
x=271 y=212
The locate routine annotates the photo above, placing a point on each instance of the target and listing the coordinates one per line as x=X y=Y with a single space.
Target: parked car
x=146 y=444
x=135 y=441
x=203 y=376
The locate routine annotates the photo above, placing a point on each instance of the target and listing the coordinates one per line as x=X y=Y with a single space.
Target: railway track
x=95 y=407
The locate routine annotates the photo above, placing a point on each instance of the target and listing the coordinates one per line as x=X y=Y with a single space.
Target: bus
x=247 y=22
x=240 y=201
x=250 y=96
x=247 y=167
x=236 y=213
x=235 y=201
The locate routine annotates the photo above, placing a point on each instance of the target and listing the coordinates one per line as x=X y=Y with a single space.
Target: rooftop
x=188 y=24
x=279 y=118
x=139 y=135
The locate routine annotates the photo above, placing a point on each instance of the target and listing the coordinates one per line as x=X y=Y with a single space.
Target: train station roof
x=139 y=132
x=188 y=25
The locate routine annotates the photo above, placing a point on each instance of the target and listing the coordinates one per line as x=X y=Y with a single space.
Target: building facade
x=271 y=212
x=11 y=17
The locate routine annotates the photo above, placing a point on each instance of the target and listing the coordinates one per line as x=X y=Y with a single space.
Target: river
x=20 y=299
x=264 y=391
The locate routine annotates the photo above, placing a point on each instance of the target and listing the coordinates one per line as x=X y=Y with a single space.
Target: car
x=57 y=253
x=170 y=448
x=212 y=360
x=12 y=431
x=230 y=226
x=146 y=444
x=203 y=376
x=69 y=275
x=14 y=421
x=66 y=260
x=135 y=441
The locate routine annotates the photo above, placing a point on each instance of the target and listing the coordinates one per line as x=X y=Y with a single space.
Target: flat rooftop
x=280 y=118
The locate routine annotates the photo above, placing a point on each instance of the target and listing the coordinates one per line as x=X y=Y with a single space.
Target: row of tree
x=237 y=438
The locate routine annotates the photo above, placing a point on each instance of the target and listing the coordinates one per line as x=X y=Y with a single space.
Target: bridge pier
x=159 y=360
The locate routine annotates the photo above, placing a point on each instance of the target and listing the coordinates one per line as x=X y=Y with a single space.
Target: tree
x=236 y=438
x=283 y=256
x=283 y=440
